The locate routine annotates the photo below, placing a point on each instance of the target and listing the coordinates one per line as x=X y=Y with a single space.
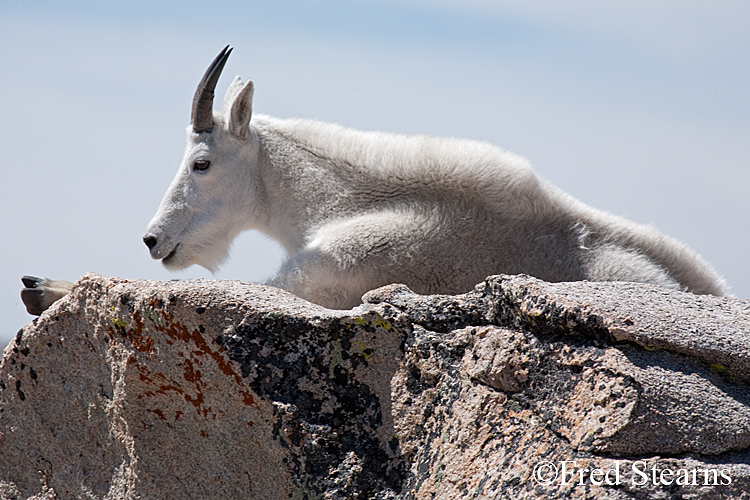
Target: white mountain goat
x=358 y=210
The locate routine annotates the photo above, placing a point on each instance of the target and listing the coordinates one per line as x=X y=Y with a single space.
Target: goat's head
x=211 y=198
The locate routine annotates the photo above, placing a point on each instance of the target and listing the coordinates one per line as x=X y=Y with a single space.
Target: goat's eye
x=201 y=165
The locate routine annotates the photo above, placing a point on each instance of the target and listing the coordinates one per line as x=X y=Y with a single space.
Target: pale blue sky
x=640 y=108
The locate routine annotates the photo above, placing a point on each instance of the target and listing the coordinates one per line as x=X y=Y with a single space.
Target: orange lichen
x=196 y=347
x=142 y=343
x=177 y=331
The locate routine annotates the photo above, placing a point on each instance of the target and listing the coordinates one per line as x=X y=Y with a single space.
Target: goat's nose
x=150 y=242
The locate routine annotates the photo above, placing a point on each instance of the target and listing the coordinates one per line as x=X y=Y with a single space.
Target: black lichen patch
x=443 y=314
x=443 y=352
x=127 y=301
x=542 y=316
x=19 y=391
x=331 y=429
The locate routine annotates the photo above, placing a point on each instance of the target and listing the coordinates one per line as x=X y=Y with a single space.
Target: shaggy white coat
x=358 y=210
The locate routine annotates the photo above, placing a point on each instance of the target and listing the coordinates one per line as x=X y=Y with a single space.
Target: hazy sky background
x=640 y=108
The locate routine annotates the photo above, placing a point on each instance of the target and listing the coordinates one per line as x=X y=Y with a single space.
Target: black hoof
x=31 y=281
x=33 y=299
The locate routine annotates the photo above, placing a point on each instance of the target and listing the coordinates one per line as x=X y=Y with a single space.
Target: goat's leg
x=316 y=276
x=345 y=259
x=40 y=293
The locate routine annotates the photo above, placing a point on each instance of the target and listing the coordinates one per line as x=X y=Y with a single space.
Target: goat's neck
x=301 y=190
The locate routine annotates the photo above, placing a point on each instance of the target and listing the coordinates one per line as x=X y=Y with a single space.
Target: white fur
x=358 y=210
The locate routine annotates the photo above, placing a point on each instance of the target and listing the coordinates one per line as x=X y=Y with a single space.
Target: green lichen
x=373 y=319
x=382 y=322
x=364 y=351
x=440 y=473
x=336 y=358
x=119 y=323
x=274 y=315
x=651 y=347
x=284 y=437
x=514 y=292
x=152 y=314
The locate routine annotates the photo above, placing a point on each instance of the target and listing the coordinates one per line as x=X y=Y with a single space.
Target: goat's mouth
x=168 y=258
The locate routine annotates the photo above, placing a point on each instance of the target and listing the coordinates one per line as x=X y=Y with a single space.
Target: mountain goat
x=358 y=210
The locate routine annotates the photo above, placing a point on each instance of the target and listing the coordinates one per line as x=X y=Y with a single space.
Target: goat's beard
x=210 y=254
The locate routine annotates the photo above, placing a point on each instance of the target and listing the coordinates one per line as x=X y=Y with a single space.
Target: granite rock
x=517 y=389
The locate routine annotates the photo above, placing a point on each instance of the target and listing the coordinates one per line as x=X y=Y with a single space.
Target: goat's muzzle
x=150 y=242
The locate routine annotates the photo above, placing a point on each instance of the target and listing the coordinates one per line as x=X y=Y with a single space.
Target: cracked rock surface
x=517 y=389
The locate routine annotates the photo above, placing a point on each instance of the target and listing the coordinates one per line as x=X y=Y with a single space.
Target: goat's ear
x=241 y=107
x=231 y=95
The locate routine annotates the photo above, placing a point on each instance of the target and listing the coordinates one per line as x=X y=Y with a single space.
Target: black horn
x=203 y=101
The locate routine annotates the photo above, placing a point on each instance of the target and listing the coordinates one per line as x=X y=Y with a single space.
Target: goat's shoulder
x=478 y=168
